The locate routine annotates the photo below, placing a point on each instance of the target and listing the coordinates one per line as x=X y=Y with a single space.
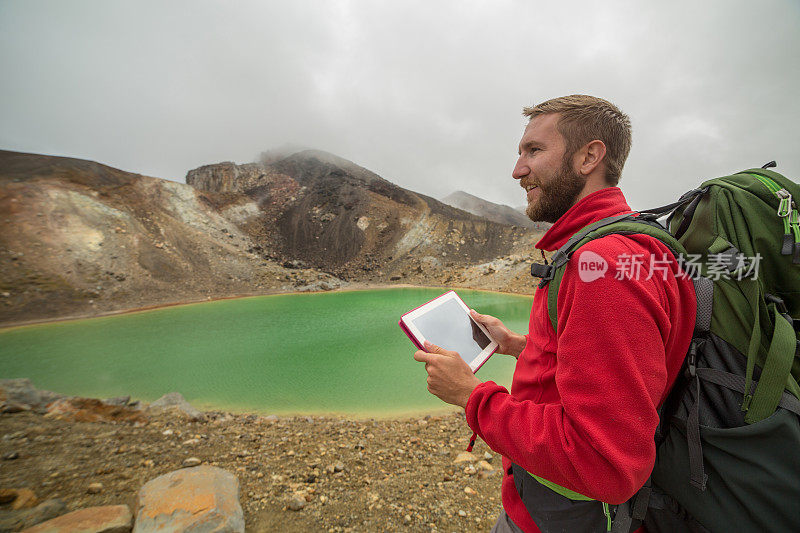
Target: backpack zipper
x=796 y=227
x=787 y=211
x=607 y=512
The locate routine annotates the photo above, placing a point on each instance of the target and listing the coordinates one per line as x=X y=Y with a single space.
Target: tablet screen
x=449 y=327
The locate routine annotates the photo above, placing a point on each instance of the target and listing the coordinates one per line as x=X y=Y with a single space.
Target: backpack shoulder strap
x=626 y=224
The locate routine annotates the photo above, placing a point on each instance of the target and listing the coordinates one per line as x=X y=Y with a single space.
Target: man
x=582 y=410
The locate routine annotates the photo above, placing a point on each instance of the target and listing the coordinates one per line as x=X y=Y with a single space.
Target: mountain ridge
x=81 y=238
x=501 y=213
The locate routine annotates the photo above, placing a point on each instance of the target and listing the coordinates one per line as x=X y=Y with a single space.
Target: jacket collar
x=600 y=204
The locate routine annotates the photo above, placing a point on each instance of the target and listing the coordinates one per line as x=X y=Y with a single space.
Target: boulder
x=483 y=465
x=18 y=498
x=12 y=407
x=174 y=401
x=465 y=457
x=92 y=410
x=122 y=401
x=296 y=502
x=20 y=395
x=203 y=498
x=17 y=520
x=106 y=519
x=19 y=391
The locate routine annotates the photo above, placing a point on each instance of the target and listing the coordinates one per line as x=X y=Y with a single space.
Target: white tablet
x=445 y=322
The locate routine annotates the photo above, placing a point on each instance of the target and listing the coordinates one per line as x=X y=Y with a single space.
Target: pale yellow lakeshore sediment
x=350 y=288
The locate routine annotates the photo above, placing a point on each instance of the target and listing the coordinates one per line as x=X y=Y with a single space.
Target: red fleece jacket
x=582 y=407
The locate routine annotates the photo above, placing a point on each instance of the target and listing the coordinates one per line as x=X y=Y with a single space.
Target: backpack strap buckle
x=546 y=272
x=562 y=255
x=733 y=259
x=779 y=303
x=691 y=358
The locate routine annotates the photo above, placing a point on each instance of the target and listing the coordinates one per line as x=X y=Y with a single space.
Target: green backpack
x=728 y=442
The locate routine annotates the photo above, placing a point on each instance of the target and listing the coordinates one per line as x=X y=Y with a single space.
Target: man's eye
x=533 y=150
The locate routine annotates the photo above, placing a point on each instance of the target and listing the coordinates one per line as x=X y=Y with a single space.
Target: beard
x=557 y=195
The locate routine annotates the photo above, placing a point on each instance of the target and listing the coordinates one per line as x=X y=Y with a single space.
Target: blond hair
x=586 y=118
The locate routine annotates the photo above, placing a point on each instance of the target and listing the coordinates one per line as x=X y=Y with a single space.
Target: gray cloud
x=427 y=94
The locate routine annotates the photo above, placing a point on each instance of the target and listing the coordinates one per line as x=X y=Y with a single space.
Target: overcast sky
x=427 y=94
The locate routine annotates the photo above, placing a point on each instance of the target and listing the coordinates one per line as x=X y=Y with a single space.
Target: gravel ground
x=296 y=474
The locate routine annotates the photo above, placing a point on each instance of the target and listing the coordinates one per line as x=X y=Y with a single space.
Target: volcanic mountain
x=81 y=238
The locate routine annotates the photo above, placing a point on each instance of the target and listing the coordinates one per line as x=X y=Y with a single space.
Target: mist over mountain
x=496 y=212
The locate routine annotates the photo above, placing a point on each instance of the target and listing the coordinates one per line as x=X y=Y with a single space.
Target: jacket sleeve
x=611 y=376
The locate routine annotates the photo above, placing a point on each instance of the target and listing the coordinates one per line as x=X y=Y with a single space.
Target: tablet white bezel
x=433 y=304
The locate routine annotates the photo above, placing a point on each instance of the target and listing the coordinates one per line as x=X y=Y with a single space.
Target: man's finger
x=424 y=357
x=479 y=317
x=432 y=348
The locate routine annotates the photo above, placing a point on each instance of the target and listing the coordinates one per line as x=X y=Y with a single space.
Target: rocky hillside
x=336 y=215
x=81 y=238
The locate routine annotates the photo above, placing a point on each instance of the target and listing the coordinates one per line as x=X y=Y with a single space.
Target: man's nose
x=520 y=170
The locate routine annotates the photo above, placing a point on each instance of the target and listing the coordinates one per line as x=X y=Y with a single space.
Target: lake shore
x=347 y=474
x=349 y=288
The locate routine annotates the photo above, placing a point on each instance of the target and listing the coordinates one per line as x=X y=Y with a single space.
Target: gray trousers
x=505 y=525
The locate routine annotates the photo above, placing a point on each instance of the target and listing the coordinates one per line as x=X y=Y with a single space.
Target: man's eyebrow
x=529 y=144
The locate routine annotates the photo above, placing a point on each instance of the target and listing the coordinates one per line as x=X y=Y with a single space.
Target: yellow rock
x=465 y=457
x=200 y=498
x=106 y=519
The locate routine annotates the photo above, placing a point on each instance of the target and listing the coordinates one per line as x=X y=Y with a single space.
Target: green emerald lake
x=337 y=352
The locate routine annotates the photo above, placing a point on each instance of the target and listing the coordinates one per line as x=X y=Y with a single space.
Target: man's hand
x=510 y=343
x=449 y=376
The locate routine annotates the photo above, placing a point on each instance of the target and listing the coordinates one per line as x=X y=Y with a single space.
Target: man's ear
x=590 y=157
